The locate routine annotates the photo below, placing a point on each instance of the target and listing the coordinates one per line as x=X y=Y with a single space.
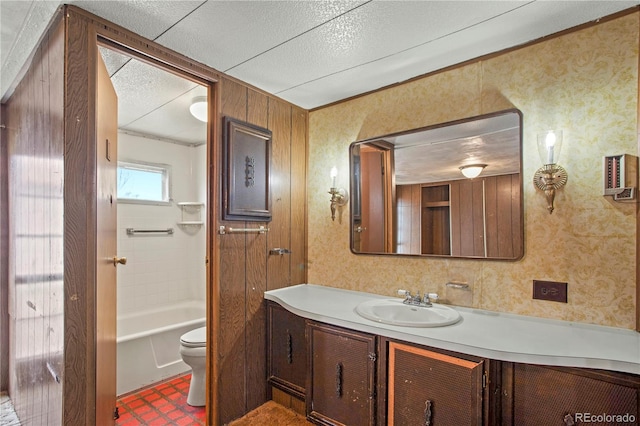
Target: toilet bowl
x=193 y=350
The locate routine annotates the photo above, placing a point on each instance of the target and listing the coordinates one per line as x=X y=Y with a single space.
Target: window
x=144 y=182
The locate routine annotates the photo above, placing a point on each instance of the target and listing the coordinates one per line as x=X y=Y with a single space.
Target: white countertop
x=494 y=335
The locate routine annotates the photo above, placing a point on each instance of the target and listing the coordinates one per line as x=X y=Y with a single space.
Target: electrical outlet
x=550 y=290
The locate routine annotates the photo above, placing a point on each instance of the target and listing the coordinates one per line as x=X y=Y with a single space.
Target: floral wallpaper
x=584 y=83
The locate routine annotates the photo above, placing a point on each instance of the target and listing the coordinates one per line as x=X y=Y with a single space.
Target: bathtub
x=149 y=343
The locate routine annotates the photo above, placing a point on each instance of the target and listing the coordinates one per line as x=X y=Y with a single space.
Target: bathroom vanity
x=487 y=369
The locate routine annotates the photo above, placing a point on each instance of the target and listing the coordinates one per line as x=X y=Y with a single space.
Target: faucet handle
x=406 y=294
x=430 y=297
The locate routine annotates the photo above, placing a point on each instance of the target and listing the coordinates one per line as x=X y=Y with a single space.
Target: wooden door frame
x=83 y=31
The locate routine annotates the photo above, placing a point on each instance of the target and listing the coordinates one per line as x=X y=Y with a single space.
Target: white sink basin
x=394 y=312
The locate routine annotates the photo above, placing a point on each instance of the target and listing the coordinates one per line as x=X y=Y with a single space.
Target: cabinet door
x=429 y=388
x=342 y=388
x=287 y=349
x=559 y=396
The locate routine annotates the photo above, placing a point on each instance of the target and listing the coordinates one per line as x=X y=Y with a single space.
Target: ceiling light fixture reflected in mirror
x=199 y=108
x=472 y=170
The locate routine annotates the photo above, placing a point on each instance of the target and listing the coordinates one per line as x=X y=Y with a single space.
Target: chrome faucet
x=416 y=300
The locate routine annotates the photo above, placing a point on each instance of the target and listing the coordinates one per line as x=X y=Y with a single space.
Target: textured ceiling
x=309 y=53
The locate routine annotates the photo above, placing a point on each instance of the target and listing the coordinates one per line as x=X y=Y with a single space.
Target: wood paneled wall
x=461 y=218
x=35 y=149
x=485 y=217
x=246 y=267
x=4 y=251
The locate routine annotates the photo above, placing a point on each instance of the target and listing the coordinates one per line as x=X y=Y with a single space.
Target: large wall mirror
x=409 y=195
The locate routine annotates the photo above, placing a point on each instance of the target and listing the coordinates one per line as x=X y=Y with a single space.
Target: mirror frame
x=354 y=167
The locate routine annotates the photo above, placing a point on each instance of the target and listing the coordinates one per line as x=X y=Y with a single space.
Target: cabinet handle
x=339 y=380
x=289 y=349
x=568 y=420
x=427 y=413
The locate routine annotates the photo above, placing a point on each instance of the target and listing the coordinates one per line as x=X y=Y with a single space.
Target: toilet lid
x=195 y=338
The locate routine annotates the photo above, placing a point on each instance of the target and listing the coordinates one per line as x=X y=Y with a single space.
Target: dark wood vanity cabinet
x=342 y=366
x=431 y=388
x=539 y=395
x=338 y=376
x=287 y=351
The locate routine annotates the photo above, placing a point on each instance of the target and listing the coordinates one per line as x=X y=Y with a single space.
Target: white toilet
x=193 y=347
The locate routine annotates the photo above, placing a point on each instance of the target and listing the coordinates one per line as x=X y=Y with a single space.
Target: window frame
x=167 y=181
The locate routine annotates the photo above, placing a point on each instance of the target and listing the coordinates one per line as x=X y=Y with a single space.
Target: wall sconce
x=472 y=170
x=551 y=176
x=199 y=108
x=339 y=196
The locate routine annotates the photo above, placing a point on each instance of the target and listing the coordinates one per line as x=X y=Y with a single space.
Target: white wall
x=162 y=268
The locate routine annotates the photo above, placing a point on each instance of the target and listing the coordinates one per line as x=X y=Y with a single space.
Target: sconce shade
x=199 y=108
x=549 y=145
x=472 y=170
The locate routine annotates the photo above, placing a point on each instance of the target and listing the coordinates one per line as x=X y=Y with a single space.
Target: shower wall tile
x=162 y=269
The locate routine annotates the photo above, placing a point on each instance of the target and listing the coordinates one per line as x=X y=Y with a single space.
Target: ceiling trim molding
x=117 y=37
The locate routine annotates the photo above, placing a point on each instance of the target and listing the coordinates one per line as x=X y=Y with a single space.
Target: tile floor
x=8 y=416
x=162 y=404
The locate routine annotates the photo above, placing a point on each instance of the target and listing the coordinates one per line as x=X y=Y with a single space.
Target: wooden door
x=106 y=163
x=372 y=238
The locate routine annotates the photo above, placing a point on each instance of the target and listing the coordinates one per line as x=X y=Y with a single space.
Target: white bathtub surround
x=149 y=343
x=161 y=268
x=499 y=336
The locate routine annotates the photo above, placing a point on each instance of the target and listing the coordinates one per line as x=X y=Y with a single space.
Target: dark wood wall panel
x=477 y=194
x=247 y=269
x=491 y=221
x=256 y=285
x=455 y=211
x=471 y=229
x=33 y=265
x=279 y=267
x=502 y=201
x=79 y=223
x=416 y=218
x=231 y=347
